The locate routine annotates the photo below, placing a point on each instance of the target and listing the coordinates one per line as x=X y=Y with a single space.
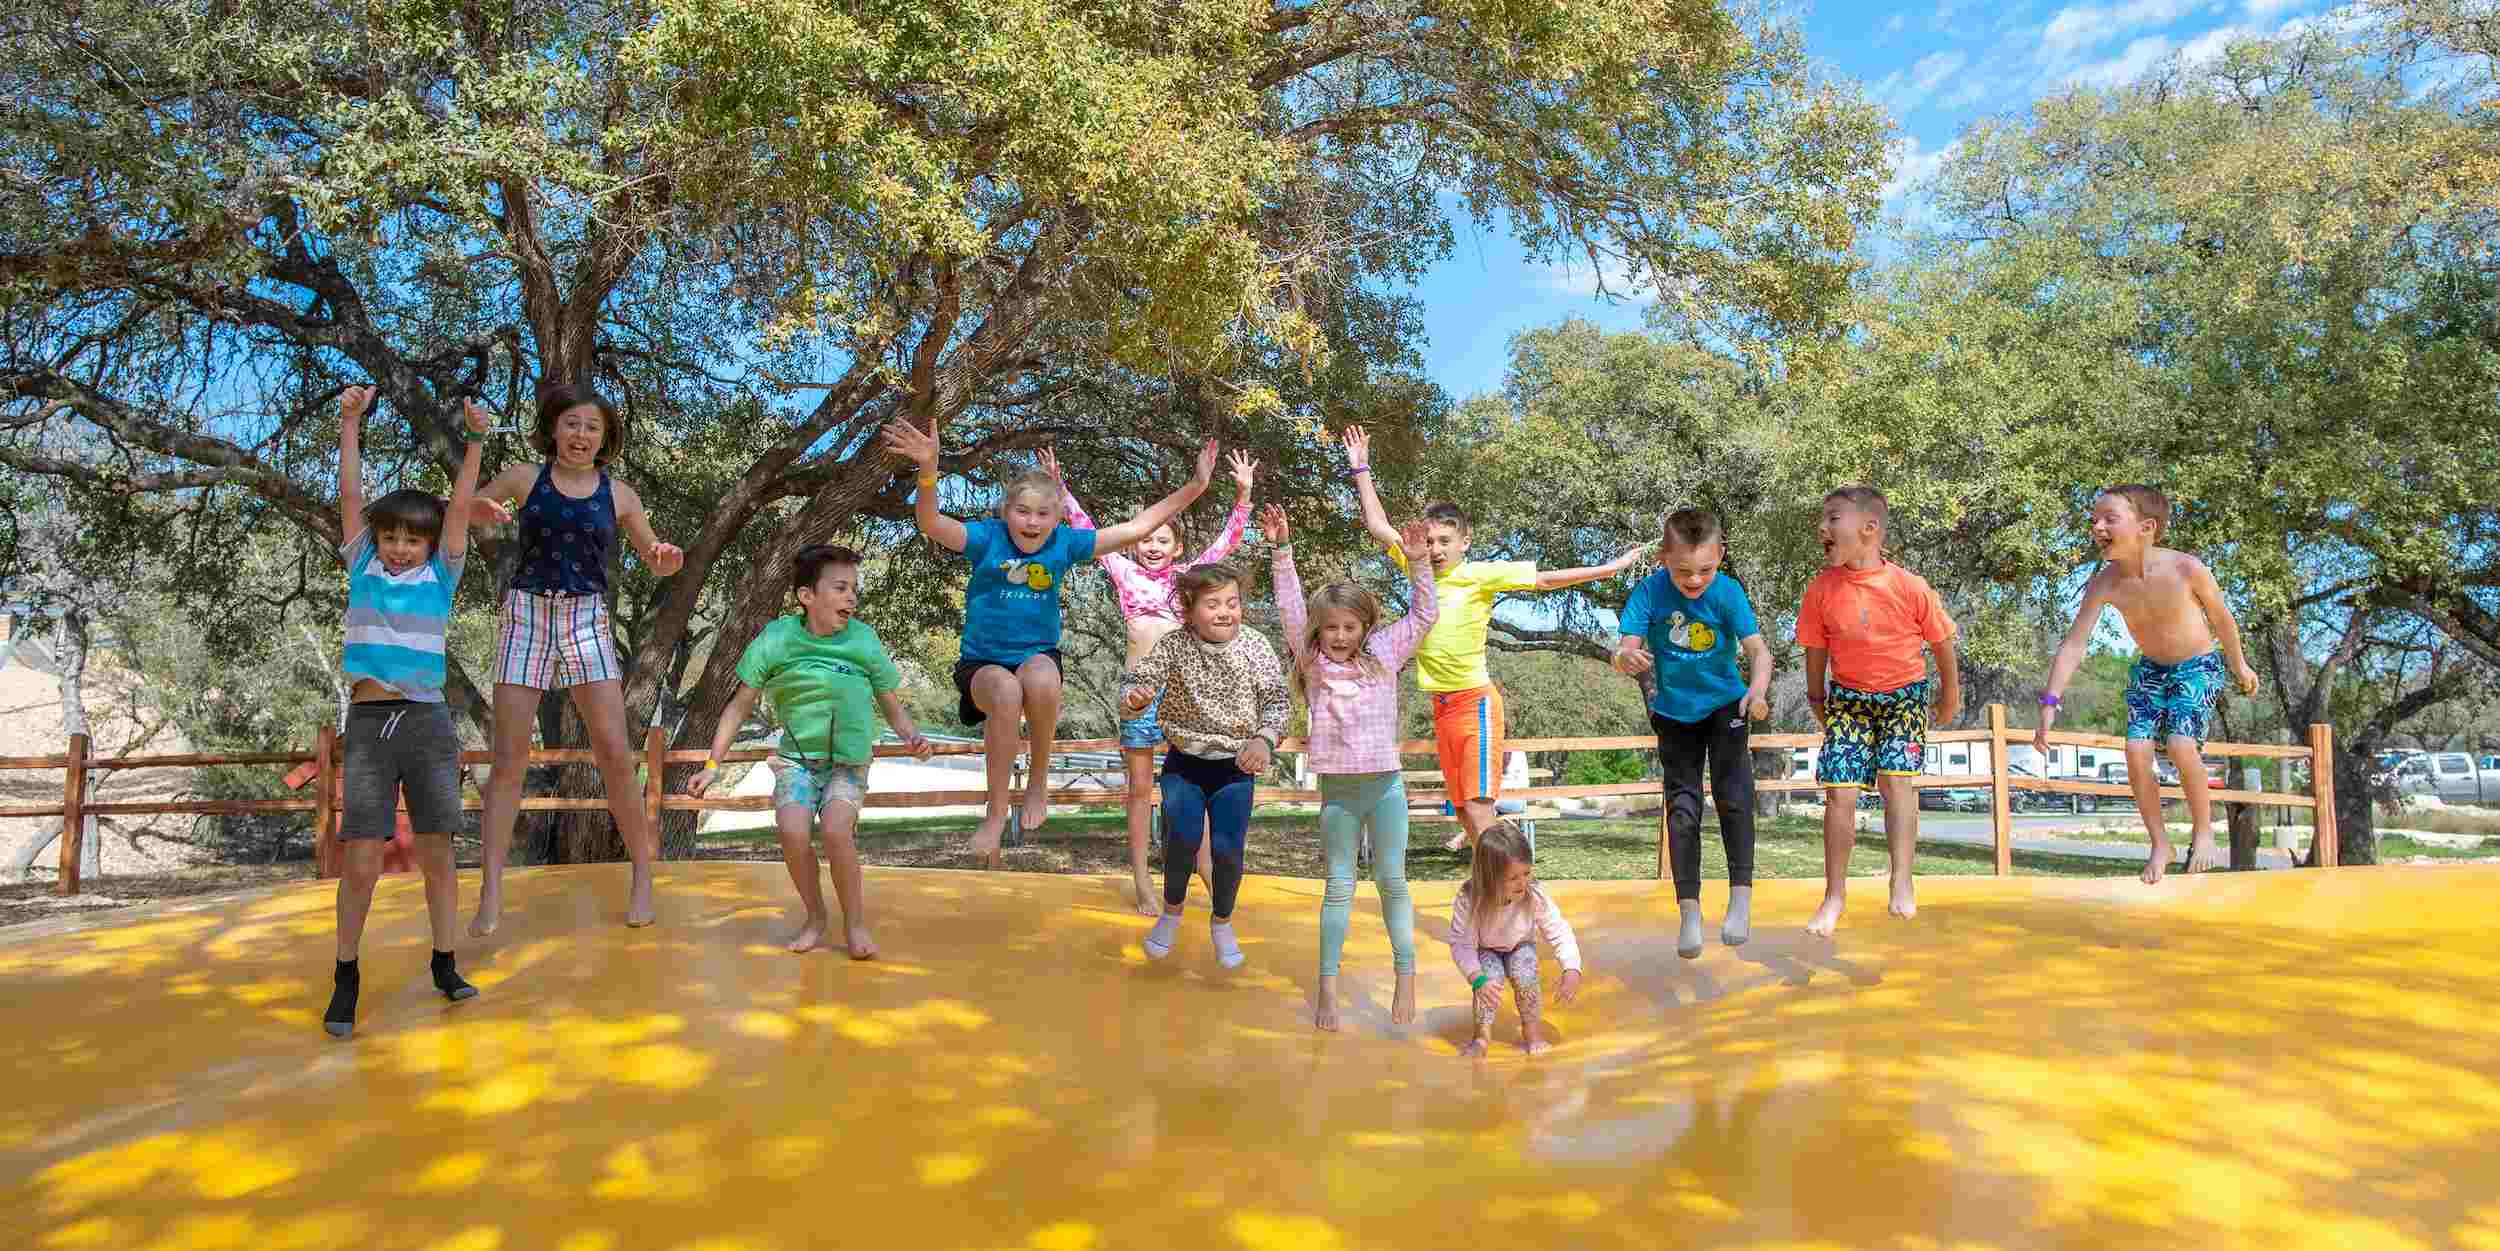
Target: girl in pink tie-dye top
x=1143 y=578
x=1345 y=668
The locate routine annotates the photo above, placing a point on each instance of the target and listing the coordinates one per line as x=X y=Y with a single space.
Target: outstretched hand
x=1415 y=536
x=1272 y=524
x=667 y=558
x=354 y=403
x=1630 y=559
x=909 y=441
x=488 y=514
x=1358 y=447
x=476 y=415
x=1244 y=470
x=1206 y=467
x=1050 y=465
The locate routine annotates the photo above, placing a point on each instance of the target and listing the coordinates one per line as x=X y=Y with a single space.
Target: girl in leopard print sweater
x=1225 y=705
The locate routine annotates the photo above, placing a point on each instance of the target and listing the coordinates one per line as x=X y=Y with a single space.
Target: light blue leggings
x=1348 y=802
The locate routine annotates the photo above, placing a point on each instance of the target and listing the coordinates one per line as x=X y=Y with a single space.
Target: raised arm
x=454 y=543
x=1128 y=532
x=1245 y=471
x=740 y=706
x=1423 y=605
x=2069 y=658
x=1068 y=507
x=1557 y=579
x=352 y=405
x=664 y=558
x=920 y=447
x=1289 y=602
x=2209 y=597
x=1358 y=454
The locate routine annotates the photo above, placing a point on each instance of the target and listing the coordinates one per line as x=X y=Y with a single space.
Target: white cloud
x=2127 y=66
x=1577 y=278
x=1912 y=164
x=1934 y=68
x=2263 y=9
x=1903 y=91
x=2078 y=27
x=1898 y=21
x=2213 y=43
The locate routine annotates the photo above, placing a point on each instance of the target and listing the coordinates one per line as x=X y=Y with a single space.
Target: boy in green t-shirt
x=824 y=671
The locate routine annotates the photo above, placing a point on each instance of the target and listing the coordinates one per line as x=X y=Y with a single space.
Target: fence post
x=73 y=815
x=325 y=802
x=654 y=766
x=2003 y=791
x=2322 y=786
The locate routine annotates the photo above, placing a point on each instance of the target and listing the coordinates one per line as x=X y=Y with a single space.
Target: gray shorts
x=397 y=747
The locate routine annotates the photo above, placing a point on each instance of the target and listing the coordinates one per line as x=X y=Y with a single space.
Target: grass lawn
x=1286 y=843
x=2392 y=846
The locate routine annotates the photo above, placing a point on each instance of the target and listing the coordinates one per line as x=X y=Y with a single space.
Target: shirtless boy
x=2174 y=610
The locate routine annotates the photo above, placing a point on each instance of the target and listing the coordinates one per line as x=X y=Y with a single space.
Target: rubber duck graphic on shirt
x=1693 y=636
x=1027 y=573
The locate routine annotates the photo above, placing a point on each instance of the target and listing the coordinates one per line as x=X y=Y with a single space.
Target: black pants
x=1682 y=745
x=1211 y=799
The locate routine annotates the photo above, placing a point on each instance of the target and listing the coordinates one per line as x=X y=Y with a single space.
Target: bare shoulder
x=2181 y=565
x=510 y=480
x=627 y=501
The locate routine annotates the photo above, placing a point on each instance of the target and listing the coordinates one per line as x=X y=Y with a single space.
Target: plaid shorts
x=555 y=640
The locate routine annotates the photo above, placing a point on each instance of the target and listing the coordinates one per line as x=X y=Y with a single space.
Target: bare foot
x=489 y=913
x=1458 y=842
x=638 y=911
x=862 y=946
x=985 y=839
x=1149 y=896
x=1826 y=918
x=1402 y=1007
x=2202 y=854
x=1904 y=897
x=1325 y=1014
x=1534 y=1043
x=1475 y=1048
x=2158 y=863
x=810 y=937
x=1036 y=811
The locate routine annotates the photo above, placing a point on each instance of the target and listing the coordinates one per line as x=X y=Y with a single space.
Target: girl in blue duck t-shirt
x=1010 y=663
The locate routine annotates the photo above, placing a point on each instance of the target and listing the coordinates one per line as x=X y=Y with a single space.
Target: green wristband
x=1477 y=982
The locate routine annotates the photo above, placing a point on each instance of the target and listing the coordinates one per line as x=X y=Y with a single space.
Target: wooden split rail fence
x=74 y=808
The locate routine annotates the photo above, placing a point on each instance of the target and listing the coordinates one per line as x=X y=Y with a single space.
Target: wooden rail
x=2000 y=781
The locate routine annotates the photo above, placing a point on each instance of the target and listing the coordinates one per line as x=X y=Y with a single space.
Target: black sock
x=448 y=980
x=341 y=1016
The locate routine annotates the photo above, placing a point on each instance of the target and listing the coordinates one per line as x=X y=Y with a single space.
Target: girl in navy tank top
x=556 y=631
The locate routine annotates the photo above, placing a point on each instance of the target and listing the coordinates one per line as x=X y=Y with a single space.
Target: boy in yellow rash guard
x=1467 y=719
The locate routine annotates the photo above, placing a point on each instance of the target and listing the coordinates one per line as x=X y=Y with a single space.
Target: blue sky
x=1934 y=68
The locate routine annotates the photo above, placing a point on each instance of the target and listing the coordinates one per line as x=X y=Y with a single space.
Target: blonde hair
x=1029 y=482
x=2148 y=502
x=1366 y=608
x=1497 y=849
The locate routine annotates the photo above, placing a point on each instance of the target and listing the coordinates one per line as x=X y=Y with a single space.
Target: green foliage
x=1604 y=768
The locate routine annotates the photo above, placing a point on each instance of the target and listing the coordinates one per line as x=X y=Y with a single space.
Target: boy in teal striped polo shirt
x=403 y=563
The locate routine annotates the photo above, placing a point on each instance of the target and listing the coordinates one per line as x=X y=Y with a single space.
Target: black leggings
x=1721 y=736
x=1204 y=798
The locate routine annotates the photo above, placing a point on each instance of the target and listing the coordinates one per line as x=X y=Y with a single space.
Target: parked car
x=2453 y=776
x=1956 y=799
x=2022 y=800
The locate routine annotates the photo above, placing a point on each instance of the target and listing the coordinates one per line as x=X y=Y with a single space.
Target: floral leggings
x=1518 y=966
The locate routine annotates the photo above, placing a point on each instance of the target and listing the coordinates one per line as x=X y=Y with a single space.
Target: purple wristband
x=2048 y=701
x=1360 y=470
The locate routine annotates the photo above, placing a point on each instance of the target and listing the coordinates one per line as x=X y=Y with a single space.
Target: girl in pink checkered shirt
x=1345 y=668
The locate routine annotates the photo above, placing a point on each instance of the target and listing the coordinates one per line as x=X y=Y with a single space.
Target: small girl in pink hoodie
x=1494 y=925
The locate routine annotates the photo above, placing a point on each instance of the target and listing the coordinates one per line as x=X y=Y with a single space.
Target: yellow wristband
x=708 y=766
x=928 y=479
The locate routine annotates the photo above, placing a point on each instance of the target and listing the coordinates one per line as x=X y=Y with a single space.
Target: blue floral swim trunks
x=2164 y=701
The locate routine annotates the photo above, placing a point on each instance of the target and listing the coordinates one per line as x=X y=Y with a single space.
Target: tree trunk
x=2356 y=808
x=2243 y=819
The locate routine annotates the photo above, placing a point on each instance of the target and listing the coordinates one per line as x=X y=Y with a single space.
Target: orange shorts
x=1467 y=725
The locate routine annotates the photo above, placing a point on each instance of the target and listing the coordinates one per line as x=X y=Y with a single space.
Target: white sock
x=1739 y=924
x=1227 y=947
x=1166 y=931
x=1688 y=935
